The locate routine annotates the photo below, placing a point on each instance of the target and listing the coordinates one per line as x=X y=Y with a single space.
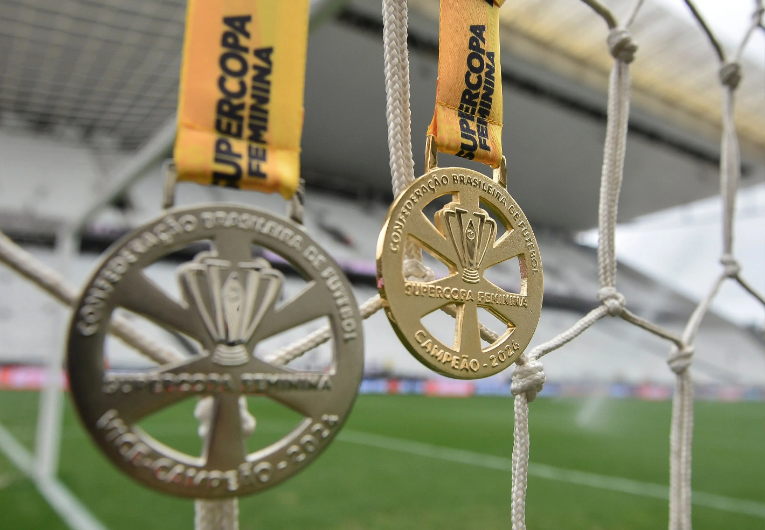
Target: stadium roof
x=675 y=69
x=102 y=66
x=104 y=73
x=112 y=65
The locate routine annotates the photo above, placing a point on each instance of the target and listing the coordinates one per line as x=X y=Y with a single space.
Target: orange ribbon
x=468 y=118
x=240 y=110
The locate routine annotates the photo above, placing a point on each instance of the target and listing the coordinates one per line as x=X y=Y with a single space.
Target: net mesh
x=528 y=378
x=114 y=104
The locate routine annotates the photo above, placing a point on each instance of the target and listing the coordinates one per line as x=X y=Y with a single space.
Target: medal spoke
x=468 y=333
x=144 y=297
x=510 y=245
x=512 y=315
x=301 y=391
x=428 y=235
x=261 y=367
x=490 y=287
x=309 y=304
x=470 y=199
x=309 y=403
x=224 y=443
x=198 y=364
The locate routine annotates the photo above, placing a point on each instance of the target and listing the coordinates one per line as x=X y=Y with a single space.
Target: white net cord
x=54 y=284
x=398 y=115
x=216 y=515
x=219 y=514
x=681 y=357
x=395 y=15
x=395 y=29
x=528 y=377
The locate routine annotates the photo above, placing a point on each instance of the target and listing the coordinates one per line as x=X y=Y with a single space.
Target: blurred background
x=88 y=92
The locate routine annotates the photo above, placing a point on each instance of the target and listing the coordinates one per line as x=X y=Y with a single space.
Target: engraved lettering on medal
x=343 y=303
x=511 y=299
x=249 y=221
x=213 y=383
x=465 y=295
x=315 y=257
x=455 y=361
x=163 y=233
x=486 y=187
x=170 y=471
x=398 y=224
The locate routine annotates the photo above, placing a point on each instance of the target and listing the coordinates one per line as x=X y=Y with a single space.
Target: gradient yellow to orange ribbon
x=240 y=108
x=467 y=121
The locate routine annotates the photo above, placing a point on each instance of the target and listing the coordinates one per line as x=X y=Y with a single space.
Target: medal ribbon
x=240 y=110
x=467 y=121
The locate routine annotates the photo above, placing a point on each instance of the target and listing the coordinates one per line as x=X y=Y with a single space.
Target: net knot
x=528 y=378
x=621 y=45
x=730 y=75
x=679 y=359
x=732 y=267
x=613 y=300
x=415 y=270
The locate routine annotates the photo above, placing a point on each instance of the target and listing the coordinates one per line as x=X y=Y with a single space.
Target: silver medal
x=230 y=303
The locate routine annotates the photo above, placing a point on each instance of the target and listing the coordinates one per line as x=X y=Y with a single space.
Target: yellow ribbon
x=468 y=118
x=240 y=109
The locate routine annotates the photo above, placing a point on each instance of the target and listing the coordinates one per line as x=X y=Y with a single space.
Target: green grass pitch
x=355 y=486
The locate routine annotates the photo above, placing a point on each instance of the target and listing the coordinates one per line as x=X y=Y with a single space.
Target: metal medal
x=230 y=302
x=464 y=237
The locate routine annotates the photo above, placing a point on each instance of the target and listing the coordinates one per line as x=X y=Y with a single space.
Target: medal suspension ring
x=230 y=302
x=464 y=237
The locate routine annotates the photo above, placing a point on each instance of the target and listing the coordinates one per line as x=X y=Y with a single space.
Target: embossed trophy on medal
x=230 y=303
x=463 y=234
x=232 y=299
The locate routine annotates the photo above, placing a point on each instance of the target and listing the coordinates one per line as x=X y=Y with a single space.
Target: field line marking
x=69 y=508
x=570 y=476
x=16 y=453
x=22 y=459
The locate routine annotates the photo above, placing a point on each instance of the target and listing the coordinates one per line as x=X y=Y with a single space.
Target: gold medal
x=467 y=233
x=464 y=237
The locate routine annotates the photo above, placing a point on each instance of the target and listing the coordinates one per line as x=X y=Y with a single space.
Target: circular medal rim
x=383 y=266
x=76 y=350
